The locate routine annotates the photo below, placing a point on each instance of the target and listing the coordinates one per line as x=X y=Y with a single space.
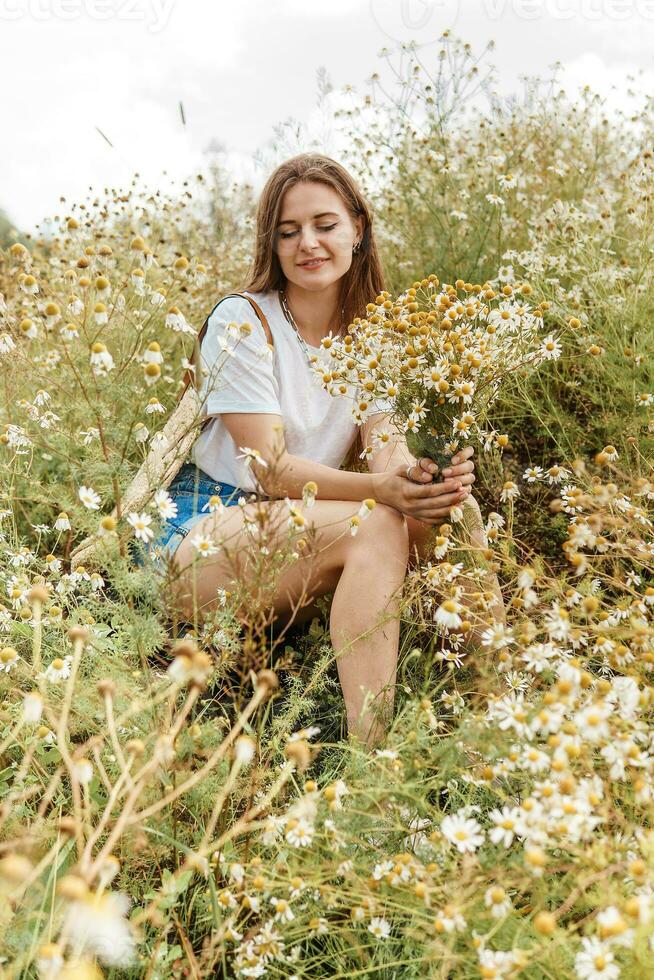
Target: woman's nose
x=308 y=239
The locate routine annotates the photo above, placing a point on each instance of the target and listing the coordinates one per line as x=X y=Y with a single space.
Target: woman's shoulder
x=235 y=309
x=232 y=305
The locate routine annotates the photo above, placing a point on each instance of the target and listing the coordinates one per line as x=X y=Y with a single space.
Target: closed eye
x=289 y=234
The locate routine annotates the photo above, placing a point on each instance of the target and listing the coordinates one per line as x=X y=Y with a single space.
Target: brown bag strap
x=195 y=378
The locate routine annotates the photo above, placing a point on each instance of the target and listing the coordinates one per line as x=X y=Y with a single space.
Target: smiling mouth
x=311 y=263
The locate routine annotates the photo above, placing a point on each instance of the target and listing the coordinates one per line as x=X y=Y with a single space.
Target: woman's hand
x=430 y=502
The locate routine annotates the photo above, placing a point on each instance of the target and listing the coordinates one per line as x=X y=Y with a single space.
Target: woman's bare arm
x=287 y=474
x=265 y=434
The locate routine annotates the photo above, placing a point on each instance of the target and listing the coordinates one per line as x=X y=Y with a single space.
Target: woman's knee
x=385 y=529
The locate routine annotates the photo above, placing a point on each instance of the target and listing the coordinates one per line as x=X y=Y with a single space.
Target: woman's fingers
x=430 y=503
x=461 y=463
x=440 y=511
x=434 y=491
x=465 y=476
x=425 y=469
x=455 y=472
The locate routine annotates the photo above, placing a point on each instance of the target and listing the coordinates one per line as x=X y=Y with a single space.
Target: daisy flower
x=283 y=910
x=214 y=505
x=204 y=545
x=141 y=432
x=141 y=524
x=592 y=721
x=366 y=508
x=28 y=284
x=89 y=498
x=75 y=305
x=449 y=920
x=83 y=771
x=176 y=321
x=555 y=474
x=28 y=329
x=152 y=354
x=497 y=901
x=154 y=405
x=379 y=927
x=505 y=821
x=550 y=349
x=164 y=504
x=299 y=833
x=510 y=491
x=595 y=961
x=50 y=960
x=464 y=832
x=8 y=658
x=448 y=614
x=58 y=670
x=319 y=926
x=252 y=456
x=100 y=359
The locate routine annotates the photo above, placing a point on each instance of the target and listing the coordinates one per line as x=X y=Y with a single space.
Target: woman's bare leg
x=365 y=573
x=367 y=633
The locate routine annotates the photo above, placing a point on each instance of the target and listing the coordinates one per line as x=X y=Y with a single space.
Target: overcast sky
x=72 y=67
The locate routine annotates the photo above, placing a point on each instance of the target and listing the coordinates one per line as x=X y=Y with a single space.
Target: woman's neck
x=315 y=313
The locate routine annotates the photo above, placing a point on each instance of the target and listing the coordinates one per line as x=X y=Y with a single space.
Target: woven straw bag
x=163 y=462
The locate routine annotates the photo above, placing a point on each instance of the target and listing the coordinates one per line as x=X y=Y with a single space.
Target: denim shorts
x=190 y=489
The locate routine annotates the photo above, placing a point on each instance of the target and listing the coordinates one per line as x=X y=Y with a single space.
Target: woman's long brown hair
x=363 y=281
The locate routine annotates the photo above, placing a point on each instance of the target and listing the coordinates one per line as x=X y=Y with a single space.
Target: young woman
x=316 y=265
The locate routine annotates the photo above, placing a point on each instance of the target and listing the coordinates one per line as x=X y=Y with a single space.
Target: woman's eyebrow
x=323 y=214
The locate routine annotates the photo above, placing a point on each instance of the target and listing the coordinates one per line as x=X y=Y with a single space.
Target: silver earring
x=356 y=248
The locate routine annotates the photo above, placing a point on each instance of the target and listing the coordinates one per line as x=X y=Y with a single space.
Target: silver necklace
x=312 y=358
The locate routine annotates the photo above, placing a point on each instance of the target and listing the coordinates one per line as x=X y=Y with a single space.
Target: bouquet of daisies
x=435 y=358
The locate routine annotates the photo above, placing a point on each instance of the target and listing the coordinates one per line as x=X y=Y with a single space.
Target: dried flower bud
x=38 y=593
x=72 y=887
x=185 y=648
x=78 y=634
x=15 y=868
x=68 y=826
x=299 y=753
x=269 y=679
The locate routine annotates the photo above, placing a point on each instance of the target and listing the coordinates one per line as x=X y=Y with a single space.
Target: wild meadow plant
x=175 y=798
x=533 y=186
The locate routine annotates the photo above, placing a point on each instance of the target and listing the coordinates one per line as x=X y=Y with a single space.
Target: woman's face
x=315 y=224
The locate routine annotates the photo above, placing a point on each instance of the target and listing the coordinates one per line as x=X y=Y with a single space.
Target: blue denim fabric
x=191 y=489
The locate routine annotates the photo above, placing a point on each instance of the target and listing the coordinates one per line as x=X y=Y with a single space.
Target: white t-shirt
x=317 y=425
